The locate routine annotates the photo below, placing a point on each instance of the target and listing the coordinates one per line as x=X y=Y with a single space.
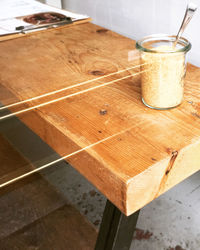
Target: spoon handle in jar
x=191 y=8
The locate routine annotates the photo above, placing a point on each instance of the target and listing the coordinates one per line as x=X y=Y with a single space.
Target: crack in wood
x=174 y=155
x=171 y=162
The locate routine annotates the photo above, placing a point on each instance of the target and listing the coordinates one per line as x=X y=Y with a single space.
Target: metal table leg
x=116 y=231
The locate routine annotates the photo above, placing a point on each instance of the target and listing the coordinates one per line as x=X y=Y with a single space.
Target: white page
x=16 y=8
x=10 y=24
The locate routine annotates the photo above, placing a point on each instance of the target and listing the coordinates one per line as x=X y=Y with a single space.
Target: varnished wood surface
x=155 y=149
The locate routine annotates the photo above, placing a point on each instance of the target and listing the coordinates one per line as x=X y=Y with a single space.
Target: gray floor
x=171 y=222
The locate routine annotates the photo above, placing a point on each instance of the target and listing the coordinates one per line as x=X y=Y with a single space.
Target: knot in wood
x=96 y=73
x=101 y=30
x=103 y=112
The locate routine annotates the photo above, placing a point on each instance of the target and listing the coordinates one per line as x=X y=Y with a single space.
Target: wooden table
x=131 y=153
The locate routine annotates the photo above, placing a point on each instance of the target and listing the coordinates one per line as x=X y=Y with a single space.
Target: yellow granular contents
x=162 y=80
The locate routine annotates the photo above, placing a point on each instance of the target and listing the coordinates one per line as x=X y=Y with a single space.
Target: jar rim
x=186 y=45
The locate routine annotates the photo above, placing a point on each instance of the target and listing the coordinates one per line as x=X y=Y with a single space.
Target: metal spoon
x=190 y=10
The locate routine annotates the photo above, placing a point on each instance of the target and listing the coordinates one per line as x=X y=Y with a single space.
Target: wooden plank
x=64 y=228
x=27 y=200
x=34 y=214
x=10 y=159
x=147 y=150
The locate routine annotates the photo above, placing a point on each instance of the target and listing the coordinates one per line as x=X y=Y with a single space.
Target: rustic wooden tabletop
x=131 y=153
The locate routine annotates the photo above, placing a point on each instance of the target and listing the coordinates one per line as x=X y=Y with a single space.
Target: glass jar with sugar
x=163 y=68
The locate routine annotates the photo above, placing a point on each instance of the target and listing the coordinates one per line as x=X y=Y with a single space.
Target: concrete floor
x=171 y=222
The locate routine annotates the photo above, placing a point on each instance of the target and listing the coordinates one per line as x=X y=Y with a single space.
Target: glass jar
x=163 y=68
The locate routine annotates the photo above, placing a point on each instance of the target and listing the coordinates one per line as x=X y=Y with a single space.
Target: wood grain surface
x=146 y=151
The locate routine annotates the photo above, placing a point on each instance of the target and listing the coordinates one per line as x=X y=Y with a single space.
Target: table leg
x=116 y=230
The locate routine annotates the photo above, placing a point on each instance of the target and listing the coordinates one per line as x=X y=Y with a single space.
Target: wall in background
x=54 y=3
x=138 y=18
